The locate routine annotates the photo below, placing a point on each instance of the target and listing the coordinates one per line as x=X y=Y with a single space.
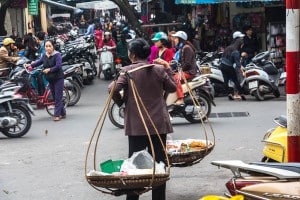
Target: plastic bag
x=141 y=162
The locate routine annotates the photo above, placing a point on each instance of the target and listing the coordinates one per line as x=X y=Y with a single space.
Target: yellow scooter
x=275 y=149
x=215 y=197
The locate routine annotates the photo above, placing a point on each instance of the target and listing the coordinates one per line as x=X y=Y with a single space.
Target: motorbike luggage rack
x=237 y=167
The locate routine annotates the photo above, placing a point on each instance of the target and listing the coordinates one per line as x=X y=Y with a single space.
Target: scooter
x=106 y=62
x=209 y=64
x=202 y=91
x=15 y=114
x=262 y=77
x=262 y=181
x=275 y=139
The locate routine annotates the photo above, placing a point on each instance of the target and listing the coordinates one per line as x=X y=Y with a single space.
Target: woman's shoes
x=62 y=116
x=243 y=97
x=56 y=119
x=230 y=97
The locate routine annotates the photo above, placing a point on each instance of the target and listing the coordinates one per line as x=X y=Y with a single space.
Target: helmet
x=180 y=34
x=106 y=33
x=8 y=41
x=237 y=34
x=159 y=36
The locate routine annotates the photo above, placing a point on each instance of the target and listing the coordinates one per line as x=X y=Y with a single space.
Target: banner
x=33 y=7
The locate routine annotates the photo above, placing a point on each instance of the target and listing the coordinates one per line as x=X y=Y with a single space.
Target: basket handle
x=196 y=103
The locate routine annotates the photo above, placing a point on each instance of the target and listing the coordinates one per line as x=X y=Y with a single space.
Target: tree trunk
x=128 y=11
x=3 y=9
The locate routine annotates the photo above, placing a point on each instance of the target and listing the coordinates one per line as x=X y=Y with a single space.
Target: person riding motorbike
x=186 y=56
x=8 y=53
x=110 y=44
x=122 y=50
x=165 y=51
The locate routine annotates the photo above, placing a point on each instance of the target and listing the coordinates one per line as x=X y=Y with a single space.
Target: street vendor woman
x=151 y=83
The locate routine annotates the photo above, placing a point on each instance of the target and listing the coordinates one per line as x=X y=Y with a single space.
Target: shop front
x=214 y=21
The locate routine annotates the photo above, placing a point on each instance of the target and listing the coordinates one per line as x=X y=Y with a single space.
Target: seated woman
x=186 y=56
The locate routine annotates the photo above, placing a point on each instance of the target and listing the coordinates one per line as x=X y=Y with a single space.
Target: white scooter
x=107 y=65
x=262 y=77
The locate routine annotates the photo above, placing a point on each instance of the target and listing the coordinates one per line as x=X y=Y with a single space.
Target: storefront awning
x=60 y=5
x=216 y=1
x=97 y=5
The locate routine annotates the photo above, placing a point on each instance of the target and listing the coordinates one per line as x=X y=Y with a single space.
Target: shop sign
x=33 y=7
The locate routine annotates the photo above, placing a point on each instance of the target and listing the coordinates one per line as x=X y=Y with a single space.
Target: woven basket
x=189 y=158
x=128 y=182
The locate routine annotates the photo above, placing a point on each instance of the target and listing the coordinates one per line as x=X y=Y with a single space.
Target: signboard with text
x=33 y=7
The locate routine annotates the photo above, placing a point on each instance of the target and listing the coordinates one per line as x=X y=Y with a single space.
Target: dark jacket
x=151 y=84
x=251 y=45
x=53 y=62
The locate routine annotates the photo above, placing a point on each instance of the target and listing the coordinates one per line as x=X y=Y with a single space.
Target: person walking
x=186 y=56
x=231 y=56
x=52 y=62
x=159 y=80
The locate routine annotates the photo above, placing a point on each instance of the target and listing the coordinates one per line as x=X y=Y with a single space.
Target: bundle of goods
x=188 y=152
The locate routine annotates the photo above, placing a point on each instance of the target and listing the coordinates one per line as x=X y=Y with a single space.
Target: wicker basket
x=128 y=182
x=189 y=158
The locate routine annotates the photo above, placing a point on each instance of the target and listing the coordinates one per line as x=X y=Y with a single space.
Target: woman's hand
x=46 y=71
x=161 y=62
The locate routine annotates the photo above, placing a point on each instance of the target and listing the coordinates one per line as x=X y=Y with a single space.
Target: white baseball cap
x=180 y=34
x=237 y=34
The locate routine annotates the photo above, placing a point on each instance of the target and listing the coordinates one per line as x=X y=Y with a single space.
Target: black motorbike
x=15 y=113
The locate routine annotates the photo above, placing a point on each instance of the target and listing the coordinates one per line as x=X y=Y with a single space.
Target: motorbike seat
x=270 y=69
x=295 y=167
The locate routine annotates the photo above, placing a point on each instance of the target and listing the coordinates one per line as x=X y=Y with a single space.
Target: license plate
x=253 y=84
x=118 y=66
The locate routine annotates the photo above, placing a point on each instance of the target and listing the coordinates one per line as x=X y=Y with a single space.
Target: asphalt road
x=50 y=166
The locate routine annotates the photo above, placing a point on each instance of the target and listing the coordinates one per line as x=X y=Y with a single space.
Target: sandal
x=62 y=116
x=230 y=97
x=243 y=97
x=56 y=119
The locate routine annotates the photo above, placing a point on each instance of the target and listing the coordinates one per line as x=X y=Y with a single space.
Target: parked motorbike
x=262 y=77
x=72 y=82
x=262 y=181
x=15 y=115
x=202 y=91
x=106 y=62
x=275 y=149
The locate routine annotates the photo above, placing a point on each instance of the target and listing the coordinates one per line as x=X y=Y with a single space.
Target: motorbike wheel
x=66 y=100
x=74 y=93
x=24 y=122
x=107 y=74
x=116 y=115
x=258 y=94
x=204 y=110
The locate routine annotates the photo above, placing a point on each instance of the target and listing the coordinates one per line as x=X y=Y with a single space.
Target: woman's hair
x=139 y=47
x=52 y=43
x=166 y=43
x=236 y=45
